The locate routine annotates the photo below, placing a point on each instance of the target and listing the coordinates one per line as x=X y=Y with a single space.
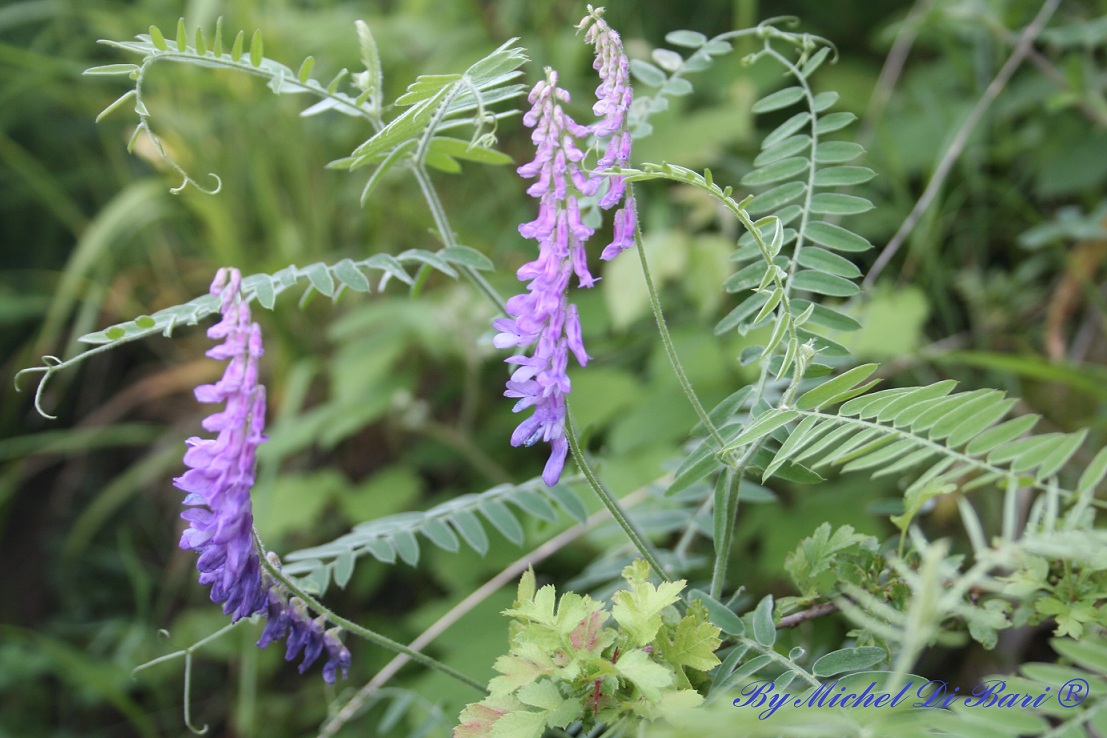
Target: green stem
x=666 y=338
x=358 y=630
x=636 y=537
x=442 y=223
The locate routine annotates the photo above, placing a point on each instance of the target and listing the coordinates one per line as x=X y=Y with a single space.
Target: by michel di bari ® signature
x=993 y=693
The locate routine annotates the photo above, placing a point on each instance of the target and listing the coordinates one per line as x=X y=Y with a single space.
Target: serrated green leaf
x=764 y=628
x=833 y=203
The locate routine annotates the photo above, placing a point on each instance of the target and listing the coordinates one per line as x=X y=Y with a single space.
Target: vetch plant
x=643 y=653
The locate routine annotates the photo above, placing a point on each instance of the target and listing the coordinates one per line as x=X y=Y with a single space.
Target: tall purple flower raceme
x=543 y=316
x=221 y=470
x=614 y=98
x=290 y=617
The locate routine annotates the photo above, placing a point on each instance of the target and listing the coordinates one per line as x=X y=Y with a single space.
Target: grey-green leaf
x=775 y=172
x=824 y=261
x=832 y=203
x=843 y=176
x=824 y=284
x=835 y=152
x=779 y=99
x=764 y=629
x=835 y=237
x=848 y=659
x=826 y=392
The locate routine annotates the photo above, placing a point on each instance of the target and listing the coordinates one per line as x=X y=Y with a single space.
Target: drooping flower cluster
x=218 y=484
x=291 y=617
x=221 y=470
x=614 y=98
x=542 y=316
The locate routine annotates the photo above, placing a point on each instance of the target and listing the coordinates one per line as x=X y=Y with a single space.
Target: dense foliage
x=719 y=494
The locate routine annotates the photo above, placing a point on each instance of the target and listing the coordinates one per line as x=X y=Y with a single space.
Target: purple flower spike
x=614 y=97
x=221 y=471
x=542 y=316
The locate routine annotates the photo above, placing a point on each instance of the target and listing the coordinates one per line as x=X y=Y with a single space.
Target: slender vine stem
x=361 y=631
x=636 y=537
x=667 y=339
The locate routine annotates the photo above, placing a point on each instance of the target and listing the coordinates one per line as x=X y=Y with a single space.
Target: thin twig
x=961 y=139
x=815 y=611
x=510 y=574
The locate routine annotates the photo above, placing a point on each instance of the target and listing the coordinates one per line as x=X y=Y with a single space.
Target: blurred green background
x=382 y=404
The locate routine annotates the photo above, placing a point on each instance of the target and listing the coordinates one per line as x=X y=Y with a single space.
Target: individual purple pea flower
x=221 y=471
x=290 y=618
x=614 y=98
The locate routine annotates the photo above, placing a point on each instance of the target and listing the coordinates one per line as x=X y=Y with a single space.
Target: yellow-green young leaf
x=236 y=47
x=833 y=390
x=257 y=49
x=1092 y=476
x=182 y=36
x=649 y=676
x=528 y=585
x=217 y=45
x=201 y=42
x=693 y=644
x=305 y=69
x=158 y=39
